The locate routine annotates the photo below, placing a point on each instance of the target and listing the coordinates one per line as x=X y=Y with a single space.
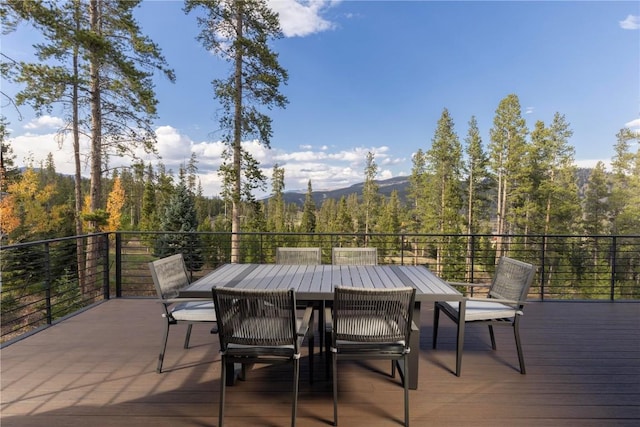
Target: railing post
x=542 y=267
x=473 y=260
x=118 y=272
x=47 y=284
x=105 y=268
x=614 y=251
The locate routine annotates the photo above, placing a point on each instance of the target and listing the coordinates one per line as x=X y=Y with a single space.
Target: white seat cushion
x=368 y=326
x=194 y=311
x=485 y=310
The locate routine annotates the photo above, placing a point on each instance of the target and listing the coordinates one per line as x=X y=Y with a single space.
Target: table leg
x=460 y=344
x=231 y=374
x=414 y=355
x=321 y=325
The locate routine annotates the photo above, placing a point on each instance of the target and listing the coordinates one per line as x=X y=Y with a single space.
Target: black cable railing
x=47 y=280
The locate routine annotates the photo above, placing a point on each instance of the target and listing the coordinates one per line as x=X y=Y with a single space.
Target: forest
x=97 y=64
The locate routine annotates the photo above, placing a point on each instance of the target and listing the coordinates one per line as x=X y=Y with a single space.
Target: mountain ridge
x=386 y=187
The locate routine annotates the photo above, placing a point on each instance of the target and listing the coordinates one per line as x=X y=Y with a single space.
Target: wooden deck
x=98 y=369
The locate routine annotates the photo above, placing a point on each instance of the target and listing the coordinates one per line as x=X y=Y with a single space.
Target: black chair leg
x=516 y=333
x=296 y=375
x=334 y=359
x=188 y=337
x=406 y=390
x=164 y=347
x=493 y=337
x=223 y=383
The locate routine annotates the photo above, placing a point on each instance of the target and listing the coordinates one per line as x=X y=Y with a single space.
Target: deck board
x=98 y=368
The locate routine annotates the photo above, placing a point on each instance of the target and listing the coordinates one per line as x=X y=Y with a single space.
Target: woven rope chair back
x=169 y=275
x=256 y=317
x=298 y=256
x=373 y=315
x=354 y=256
x=512 y=279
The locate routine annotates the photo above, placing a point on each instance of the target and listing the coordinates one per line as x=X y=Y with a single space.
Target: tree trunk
x=80 y=255
x=237 y=146
x=95 y=187
x=471 y=195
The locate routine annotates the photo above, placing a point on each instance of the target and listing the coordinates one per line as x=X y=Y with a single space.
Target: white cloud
x=633 y=124
x=529 y=110
x=45 y=122
x=33 y=149
x=172 y=147
x=631 y=22
x=327 y=167
x=299 y=19
x=591 y=163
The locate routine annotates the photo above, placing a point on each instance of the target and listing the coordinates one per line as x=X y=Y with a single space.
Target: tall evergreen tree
x=506 y=151
x=276 y=206
x=389 y=224
x=597 y=220
x=149 y=219
x=560 y=189
x=418 y=191
x=625 y=185
x=239 y=31
x=477 y=186
x=444 y=163
x=327 y=216
x=308 y=223
x=180 y=217
x=370 y=196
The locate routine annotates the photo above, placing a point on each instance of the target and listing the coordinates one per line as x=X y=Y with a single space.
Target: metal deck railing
x=47 y=280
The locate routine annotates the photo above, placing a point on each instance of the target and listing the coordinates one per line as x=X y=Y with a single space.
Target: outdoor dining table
x=315 y=284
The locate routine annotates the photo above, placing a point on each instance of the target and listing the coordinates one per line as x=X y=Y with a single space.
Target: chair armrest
x=328 y=319
x=174 y=300
x=502 y=301
x=471 y=285
x=306 y=320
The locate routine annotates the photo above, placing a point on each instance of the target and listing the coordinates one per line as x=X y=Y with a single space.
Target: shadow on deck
x=98 y=368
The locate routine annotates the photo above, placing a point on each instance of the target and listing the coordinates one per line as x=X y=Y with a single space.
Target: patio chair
x=302 y=256
x=347 y=256
x=354 y=256
x=503 y=305
x=169 y=277
x=259 y=326
x=299 y=256
x=372 y=324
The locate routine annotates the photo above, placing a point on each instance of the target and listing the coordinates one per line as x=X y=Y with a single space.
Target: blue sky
x=375 y=76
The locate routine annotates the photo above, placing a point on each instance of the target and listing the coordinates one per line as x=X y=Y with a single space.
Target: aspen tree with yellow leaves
x=115 y=202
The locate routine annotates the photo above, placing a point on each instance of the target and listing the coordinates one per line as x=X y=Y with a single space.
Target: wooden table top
x=316 y=282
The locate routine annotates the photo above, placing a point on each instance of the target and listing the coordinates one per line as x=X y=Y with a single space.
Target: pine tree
x=477 y=184
x=149 y=216
x=444 y=163
x=180 y=217
x=276 y=206
x=388 y=223
x=418 y=191
x=370 y=196
x=308 y=223
x=506 y=151
x=595 y=206
x=239 y=31
x=560 y=188
x=625 y=185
